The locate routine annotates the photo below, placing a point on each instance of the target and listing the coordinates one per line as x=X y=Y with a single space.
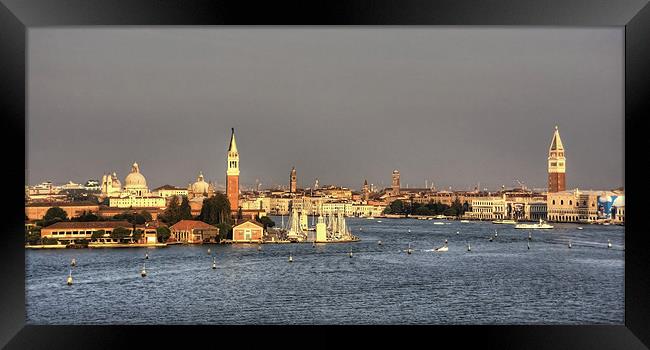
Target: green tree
x=225 y=231
x=216 y=210
x=397 y=207
x=163 y=233
x=85 y=217
x=240 y=214
x=266 y=221
x=33 y=235
x=137 y=234
x=146 y=215
x=185 y=211
x=97 y=234
x=120 y=233
x=171 y=215
x=55 y=212
x=49 y=241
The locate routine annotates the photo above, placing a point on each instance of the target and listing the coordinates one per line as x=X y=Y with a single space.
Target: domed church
x=136 y=193
x=200 y=188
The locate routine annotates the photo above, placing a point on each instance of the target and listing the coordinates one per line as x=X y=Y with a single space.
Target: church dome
x=135 y=179
x=200 y=186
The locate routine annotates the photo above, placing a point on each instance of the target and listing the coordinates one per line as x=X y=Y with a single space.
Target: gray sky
x=453 y=106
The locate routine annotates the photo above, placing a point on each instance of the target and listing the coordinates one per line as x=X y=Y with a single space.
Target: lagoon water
x=499 y=282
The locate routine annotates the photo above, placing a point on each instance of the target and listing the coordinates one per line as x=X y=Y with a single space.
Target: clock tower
x=232 y=174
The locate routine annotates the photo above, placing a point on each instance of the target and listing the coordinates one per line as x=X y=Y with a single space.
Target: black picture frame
x=17 y=16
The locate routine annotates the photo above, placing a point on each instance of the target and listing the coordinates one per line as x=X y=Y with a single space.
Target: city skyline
x=338 y=137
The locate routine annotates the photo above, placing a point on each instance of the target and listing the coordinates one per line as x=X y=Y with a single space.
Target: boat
x=438 y=223
x=442 y=249
x=295 y=233
x=541 y=225
x=579 y=228
x=464 y=221
x=73 y=262
x=370 y=218
x=509 y=222
x=378 y=220
x=69 y=281
x=146 y=255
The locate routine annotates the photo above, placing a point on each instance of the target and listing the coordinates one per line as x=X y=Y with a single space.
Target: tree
x=225 y=231
x=137 y=234
x=239 y=214
x=171 y=215
x=146 y=215
x=120 y=233
x=163 y=233
x=33 y=235
x=216 y=210
x=266 y=221
x=397 y=207
x=97 y=234
x=49 y=241
x=85 y=217
x=54 y=213
x=185 y=212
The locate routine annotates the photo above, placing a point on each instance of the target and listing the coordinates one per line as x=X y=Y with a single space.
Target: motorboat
x=541 y=225
x=438 y=223
x=464 y=221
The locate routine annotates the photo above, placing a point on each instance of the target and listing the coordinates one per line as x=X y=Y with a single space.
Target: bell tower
x=556 y=164
x=232 y=174
x=293 y=180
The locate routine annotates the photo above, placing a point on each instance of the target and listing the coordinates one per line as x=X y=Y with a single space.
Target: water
x=499 y=282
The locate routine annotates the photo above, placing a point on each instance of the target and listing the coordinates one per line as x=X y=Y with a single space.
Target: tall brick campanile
x=395 y=183
x=556 y=164
x=293 y=180
x=232 y=174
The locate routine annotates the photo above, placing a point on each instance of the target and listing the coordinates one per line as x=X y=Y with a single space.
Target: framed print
x=437 y=172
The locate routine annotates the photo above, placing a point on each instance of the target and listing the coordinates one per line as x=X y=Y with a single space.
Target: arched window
x=554 y=201
x=562 y=202
x=570 y=202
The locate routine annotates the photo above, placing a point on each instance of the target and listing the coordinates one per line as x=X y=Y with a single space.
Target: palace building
x=556 y=164
x=232 y=174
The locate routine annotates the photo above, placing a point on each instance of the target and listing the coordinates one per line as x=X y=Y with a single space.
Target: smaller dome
x=200 y=186
x=135 y=179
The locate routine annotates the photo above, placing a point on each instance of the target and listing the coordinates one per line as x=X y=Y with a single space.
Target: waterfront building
x=44 y=191
x=556 y=164
x=248 y=231
x=395 y=185
x=36 y=211
x=193 y=231
x=586 y=206
x=488 y=208
x=232 y=174
x=293 y=180
x=70 y=231
x=109 y=212
x=136 y=193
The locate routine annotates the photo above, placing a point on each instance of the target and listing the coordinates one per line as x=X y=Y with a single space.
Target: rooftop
x=186 y=225
x=89 y=224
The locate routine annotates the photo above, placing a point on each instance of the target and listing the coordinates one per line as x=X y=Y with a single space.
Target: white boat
x=442 y=249
x=438 y=223
x=464 y=221
x=579 y=227
x=510 y=222
x=541 y=225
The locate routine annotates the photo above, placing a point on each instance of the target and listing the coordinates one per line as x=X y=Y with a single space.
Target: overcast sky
x=451 y=106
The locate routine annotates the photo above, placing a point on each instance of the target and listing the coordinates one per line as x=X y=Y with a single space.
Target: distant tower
x=366 y=190
x=395 y=184
x=292 y=180
x=232 y=174
x=556 y=164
